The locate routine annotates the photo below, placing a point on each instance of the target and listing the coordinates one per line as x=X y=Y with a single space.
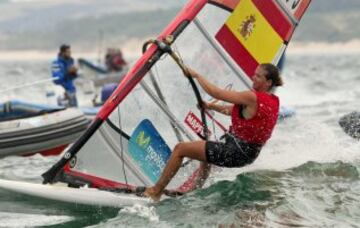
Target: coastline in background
x=132 y=50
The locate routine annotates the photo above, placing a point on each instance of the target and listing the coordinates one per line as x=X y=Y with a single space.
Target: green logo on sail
x=142 y=141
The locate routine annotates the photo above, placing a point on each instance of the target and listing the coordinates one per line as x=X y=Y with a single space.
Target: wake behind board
x=62 y=193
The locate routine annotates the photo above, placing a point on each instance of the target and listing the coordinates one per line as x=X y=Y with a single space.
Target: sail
x=155 y=106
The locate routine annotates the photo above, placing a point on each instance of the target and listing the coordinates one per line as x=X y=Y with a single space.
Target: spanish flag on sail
x=255 y=33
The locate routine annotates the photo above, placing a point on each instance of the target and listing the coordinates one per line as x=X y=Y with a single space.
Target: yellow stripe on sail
x=254 y=32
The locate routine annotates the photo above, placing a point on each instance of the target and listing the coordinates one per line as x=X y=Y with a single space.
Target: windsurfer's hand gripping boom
x=223 y=109
x=212 y=90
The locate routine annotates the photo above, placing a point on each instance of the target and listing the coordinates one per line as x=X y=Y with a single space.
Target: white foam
x=294 y=145
x=142 y=211
x=31 y=220
x=37 y=162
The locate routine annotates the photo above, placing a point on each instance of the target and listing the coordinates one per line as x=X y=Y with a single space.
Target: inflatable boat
x=27 y=128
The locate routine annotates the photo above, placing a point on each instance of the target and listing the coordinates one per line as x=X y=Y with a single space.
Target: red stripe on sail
x=190 y=183
x=302 y=8
x=97 y=182
x=229 y=4
x=237 y=51
x=275 y=16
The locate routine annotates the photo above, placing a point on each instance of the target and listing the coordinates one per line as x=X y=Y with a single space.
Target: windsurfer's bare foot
x=151 y=193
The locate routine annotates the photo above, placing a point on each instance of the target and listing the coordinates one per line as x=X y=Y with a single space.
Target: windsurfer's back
x=257 y=129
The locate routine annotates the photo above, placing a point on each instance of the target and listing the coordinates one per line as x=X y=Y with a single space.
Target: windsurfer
x=253 y=114
x=64 y=70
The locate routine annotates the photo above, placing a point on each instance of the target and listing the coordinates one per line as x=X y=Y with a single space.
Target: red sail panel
x=276 y=18
x=237 y=51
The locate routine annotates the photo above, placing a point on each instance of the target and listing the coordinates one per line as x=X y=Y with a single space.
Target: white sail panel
x=132 y=145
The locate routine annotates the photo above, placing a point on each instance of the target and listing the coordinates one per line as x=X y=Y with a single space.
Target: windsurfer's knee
x=179 y=150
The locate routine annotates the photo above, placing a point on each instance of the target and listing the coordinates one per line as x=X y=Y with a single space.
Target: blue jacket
x=59 y=69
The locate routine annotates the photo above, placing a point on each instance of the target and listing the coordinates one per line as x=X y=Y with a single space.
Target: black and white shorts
x=231 y=152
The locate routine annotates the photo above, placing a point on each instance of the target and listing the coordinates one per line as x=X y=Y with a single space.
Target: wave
x=308 y=195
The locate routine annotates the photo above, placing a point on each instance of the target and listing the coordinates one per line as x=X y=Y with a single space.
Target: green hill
x=325 y=21
x=86 y=31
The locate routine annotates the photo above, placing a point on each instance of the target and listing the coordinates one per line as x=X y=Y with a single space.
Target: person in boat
x=65 y=71
x=253 y=115
x=114 y=60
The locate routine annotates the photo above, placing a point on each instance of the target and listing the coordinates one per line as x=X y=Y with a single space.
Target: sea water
x=306 y=176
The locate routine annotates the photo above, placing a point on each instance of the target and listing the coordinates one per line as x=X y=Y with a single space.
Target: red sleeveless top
x=258 y=129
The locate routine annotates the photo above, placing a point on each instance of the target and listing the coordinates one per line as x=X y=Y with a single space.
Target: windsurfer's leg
x=193 y=150
x=203 y=174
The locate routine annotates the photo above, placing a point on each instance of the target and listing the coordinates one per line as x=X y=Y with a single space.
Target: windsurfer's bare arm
x=223 y=109
x=247 y=98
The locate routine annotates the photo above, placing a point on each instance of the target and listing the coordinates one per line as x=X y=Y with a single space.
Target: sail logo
x=67 y=156
x=143 y=141
x=195 y=124
x=154 y=157
x=148 y=150
x=293 y=3
x=247 y=26
x=151 y=154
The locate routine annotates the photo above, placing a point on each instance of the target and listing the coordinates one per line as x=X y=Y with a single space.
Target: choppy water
x=306 y=176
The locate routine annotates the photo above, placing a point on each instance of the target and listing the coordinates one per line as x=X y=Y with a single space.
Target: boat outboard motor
x=350 y=123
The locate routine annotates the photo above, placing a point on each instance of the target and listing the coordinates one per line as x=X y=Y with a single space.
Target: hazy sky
x=19 y=17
